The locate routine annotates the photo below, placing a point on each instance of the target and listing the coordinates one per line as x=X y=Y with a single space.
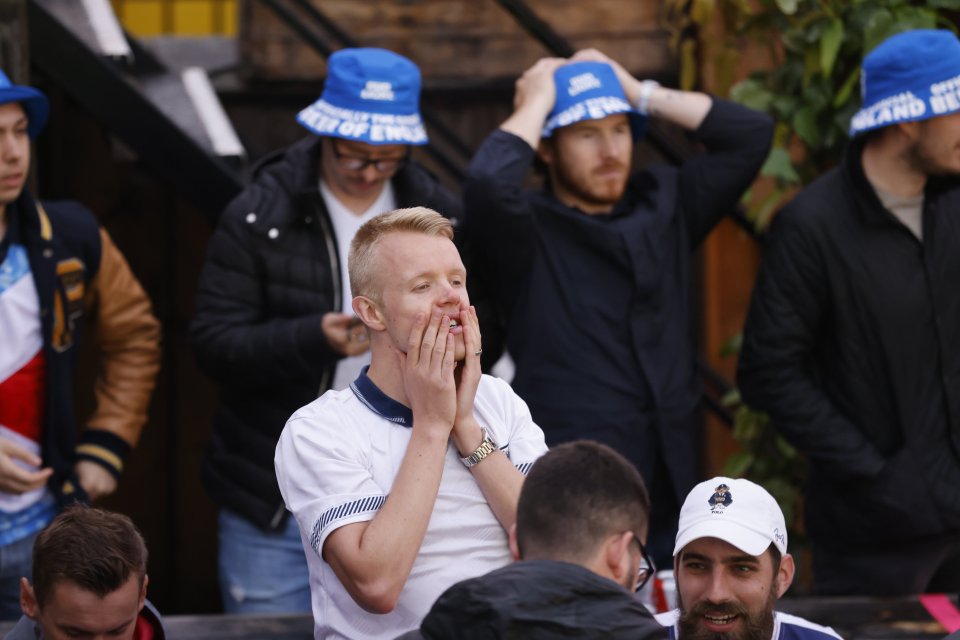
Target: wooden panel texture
x=458 y=42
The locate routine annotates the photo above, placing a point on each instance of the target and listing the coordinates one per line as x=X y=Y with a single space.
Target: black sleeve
x=232 y=335
x=775 y=371
x=499 y=217
x=737 y=140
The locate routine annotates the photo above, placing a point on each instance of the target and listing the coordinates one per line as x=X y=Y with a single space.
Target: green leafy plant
x=810 y=85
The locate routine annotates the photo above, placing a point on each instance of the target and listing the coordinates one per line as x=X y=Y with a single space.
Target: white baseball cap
x=736 y=511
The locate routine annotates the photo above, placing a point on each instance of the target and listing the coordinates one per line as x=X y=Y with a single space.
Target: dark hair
x=576 y=495
x=97 y=550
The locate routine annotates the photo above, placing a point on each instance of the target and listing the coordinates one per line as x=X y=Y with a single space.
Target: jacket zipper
x=332 y=252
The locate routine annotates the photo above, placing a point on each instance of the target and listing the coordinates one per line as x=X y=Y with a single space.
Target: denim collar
x=378 y=402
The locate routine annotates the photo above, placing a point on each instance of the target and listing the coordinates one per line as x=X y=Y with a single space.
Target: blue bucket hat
x=914 y=75
x=371 y=96
x=34 y=103
x=589 y=91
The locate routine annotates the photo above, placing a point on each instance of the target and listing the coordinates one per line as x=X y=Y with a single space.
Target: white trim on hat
x=325 y=119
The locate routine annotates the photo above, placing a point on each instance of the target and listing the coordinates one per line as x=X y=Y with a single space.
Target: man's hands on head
x=345 y=334
x=631 y=86
x=535 y=96
x=14 y=478
x=686 y=109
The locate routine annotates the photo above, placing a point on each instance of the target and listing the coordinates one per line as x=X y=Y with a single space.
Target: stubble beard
x=602 y=196
x=753 y=627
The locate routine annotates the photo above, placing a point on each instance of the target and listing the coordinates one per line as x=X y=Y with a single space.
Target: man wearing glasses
x=273 y=322
x=582 y=519
x=731 y=565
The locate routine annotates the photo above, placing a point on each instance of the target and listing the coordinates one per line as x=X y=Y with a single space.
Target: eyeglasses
x=355 y=163
x=647 y=568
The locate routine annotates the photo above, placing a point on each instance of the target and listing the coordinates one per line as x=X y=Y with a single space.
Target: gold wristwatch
x=487 y=446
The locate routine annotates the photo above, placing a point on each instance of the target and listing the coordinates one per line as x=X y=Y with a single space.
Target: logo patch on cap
x=376 y=90
x=721 y=498
x=583 y=82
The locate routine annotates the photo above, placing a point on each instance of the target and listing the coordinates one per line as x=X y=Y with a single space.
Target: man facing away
x=593 y=273
x=852 y=342
x=579 y=548
x=731 y=566
x=89 y=580
x=273 y=322
x=58 y=269
x=407 y=481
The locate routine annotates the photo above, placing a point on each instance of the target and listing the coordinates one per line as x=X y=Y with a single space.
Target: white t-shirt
x=336 y=461
x=345 y=225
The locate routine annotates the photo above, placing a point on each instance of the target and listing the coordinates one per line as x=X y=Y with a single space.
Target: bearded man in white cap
x=273 y=322
x=852 y=342
x=731 y=566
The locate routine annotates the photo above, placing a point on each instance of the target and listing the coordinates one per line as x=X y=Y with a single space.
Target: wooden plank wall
x=459 y=42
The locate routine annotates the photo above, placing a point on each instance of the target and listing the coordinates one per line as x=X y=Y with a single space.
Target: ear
x=617 y=555
x=143 y=591
x=28 y=600
x=514 y=546
x=910 y=130
x=545 y=151
x=368 y=311
x=785 y=574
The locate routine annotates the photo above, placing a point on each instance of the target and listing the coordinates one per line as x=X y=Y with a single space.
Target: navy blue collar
x=379 y=402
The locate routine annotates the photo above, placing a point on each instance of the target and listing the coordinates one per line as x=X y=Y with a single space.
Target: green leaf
x=877 y=29
x=738 y=464
x=908 y=18
x=944 y=4
x=830 y=45
x=762 y=214
x=789 y=7
x=805 y=124
x=731 y=398
x=843 y=93
x=731 y=346
x=778 y=165
x=786 y=449
x=752 y=93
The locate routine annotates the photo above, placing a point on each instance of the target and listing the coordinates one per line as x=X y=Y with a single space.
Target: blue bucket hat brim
x=911 y=76
x=34 y=103
x=370 y=96
x=589 y=91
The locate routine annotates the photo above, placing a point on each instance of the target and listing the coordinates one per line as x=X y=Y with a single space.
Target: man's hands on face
x=631 y=86
x=466 y=431
x=428 y=379
x=13 y=477
x=345 y=333
x=94 y=479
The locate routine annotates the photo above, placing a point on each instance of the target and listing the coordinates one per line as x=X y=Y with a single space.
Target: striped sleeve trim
x=524 y=467
x=108 y=459
x=370 y=504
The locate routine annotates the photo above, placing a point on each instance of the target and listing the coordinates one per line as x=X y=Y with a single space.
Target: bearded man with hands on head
x=593 y=274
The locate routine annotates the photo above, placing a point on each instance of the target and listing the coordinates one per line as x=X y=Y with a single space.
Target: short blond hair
x=361 y=260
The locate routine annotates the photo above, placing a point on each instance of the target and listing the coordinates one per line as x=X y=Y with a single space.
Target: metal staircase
x=170 y=117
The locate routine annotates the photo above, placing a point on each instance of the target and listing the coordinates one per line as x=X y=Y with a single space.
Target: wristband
x=487 y=446
x=646 y=90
